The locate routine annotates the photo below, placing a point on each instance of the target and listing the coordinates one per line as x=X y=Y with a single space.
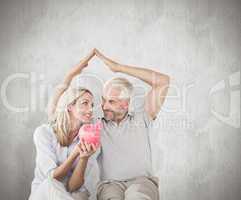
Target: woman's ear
x=69 y=108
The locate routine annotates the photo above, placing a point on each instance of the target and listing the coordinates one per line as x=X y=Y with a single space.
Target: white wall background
x=196 y=139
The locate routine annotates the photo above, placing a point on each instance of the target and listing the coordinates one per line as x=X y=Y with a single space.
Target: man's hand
x=113 y=66
x=159 y=83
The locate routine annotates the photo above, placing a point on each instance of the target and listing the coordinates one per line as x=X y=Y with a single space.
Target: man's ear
x=125 y=104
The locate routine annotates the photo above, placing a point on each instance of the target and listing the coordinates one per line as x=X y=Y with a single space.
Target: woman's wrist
x=85 y=158
x=74 y=155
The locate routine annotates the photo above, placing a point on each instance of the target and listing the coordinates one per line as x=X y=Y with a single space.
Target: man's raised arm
x=158 y=81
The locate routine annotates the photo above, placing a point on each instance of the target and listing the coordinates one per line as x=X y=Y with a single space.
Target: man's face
x=113 y=106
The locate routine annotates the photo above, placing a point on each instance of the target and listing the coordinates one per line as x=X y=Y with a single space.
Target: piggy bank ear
x=98 y=125
x=86 y=127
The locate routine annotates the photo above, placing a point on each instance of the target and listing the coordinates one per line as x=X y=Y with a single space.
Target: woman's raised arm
x=62 y=87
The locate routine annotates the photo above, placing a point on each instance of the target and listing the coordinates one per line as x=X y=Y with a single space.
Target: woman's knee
x=80 y=195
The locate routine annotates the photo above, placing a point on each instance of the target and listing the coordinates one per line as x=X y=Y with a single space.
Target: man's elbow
x=162 y=81
x=167 y=79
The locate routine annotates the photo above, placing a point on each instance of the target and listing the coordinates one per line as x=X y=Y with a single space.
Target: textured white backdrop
x=196 y=138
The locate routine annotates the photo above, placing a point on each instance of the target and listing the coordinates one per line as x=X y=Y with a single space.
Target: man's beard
x=109 y=114
x=113 y=116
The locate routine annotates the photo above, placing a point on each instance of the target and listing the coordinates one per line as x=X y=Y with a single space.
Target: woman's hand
x=113 y=66
x=85 y=150
x=74 y=71
x=82 y=64
x=77 y=178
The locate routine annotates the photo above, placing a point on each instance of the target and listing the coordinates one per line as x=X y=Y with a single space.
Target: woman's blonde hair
x=60 y=121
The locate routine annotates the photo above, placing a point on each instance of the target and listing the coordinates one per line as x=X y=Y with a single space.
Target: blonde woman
x=61 y=159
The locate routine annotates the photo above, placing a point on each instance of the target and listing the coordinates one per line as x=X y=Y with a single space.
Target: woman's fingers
x=94 y=147
x=96 y=51
x=88 y=147
x=80 y=148
x=85 y=64
x=83 y=147
x=91 y=55
x=85 y=60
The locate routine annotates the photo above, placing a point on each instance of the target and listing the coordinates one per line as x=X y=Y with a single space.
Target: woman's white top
x=50 y=154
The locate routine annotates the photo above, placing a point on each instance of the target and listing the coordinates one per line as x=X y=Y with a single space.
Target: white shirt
x=50 y=154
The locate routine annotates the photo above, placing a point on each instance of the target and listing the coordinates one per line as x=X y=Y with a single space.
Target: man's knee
x=109 y=191
x=142 y=189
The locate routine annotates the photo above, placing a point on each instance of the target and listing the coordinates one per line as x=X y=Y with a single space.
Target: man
x=125 y=158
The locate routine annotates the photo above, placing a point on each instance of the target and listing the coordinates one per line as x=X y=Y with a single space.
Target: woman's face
x=82 y=110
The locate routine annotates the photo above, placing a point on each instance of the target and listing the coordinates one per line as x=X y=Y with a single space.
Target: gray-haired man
x=125 y=159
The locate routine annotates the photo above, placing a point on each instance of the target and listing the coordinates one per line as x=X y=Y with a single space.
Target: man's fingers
x=105 y=59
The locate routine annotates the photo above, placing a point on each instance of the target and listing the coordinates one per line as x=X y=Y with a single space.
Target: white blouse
x=50 y=154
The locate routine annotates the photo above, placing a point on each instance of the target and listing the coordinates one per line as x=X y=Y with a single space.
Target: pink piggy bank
x=90 y=133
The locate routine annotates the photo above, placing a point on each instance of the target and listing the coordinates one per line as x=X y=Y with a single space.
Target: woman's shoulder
x=43 y=132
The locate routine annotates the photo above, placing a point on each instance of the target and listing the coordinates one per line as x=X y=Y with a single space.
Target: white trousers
x=52 y=189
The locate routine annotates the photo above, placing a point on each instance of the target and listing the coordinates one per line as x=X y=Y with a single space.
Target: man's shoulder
x=141 y=116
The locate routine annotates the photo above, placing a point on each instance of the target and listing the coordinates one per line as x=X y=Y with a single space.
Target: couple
x=124 y=158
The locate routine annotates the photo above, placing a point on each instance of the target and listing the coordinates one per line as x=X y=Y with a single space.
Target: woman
x=61 y=160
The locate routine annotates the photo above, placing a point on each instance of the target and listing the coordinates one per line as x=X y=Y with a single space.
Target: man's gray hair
x=120 y=83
